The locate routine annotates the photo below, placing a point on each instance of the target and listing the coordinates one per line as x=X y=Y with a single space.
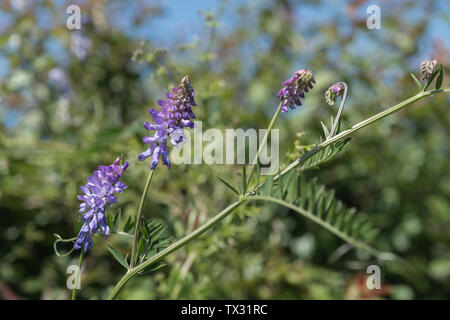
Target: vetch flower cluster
x=175 y=114
x=295 y=88
x=98 y=193
x=427 y=67
x=333 y=92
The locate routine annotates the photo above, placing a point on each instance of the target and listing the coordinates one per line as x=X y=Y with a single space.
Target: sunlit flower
x=175 y=114
x=97 y=195
x=295 y=88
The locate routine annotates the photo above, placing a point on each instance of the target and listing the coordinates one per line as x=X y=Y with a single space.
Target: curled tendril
x=339 y=113
x=59 y=239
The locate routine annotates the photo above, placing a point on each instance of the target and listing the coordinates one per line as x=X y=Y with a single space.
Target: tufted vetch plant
x=289 y=188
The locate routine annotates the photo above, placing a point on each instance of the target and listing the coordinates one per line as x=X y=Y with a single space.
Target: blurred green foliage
x=396 y=171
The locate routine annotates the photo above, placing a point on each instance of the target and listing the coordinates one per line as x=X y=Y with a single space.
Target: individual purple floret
x=98 y=193
x=295 y=88
x=175 y=114
x=333 y=92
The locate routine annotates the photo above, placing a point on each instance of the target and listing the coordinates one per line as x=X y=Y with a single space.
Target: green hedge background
x=237 y=54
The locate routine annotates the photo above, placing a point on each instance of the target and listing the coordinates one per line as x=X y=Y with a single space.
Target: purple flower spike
x=295 y=88
x=333 y=92
x=175 y=114
x=98 y=193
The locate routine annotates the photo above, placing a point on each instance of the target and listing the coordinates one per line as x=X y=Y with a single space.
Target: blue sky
x=182 y=19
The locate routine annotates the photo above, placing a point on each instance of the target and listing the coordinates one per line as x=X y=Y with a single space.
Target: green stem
x=263 y=143
x=80 y=261
x=176 y=245
x=138 y=219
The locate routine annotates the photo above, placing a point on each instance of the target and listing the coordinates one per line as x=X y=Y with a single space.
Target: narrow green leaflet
x=117 y=219
x=158 y=266
x=154 y=267
x=141 y=247
x=118 y=256
x=416 y=81
x=129 y=223
x=157 y=231
x=322 y=156
x=326 y=132
x=440 y=78
x=433 y=75
x=154 y=239
x=228 y=185
x=244 y=180
x=268 y=185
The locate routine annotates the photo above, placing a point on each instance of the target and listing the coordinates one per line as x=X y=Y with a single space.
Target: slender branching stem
x=77 y=280
x=138 y=219
x=263 y=143
x=175 y=246
x=339 y=113
x=225 y=212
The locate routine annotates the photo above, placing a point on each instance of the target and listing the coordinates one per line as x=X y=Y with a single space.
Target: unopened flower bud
x=333 y=92
x=427 y=67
